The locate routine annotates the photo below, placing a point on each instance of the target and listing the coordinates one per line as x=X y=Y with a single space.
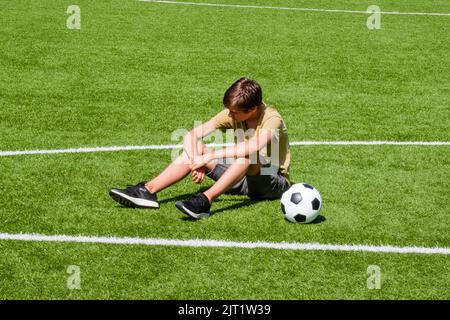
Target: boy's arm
x=240 y=150
x=190 y=141
x=245 y=148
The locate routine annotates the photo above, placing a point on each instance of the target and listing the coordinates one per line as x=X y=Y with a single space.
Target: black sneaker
x=135 y=196
x=197 y=207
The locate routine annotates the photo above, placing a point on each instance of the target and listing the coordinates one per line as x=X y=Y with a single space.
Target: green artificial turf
x=371 y=196
x=112 y=272
x=135 y=72
x=133 y=64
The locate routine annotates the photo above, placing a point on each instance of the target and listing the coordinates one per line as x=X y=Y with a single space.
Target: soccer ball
x=301 y=203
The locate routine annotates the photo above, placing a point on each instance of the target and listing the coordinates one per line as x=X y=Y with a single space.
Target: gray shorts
x=256 y=187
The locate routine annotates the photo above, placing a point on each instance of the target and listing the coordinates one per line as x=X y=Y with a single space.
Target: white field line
x=223 y=244
x=88 y=150
x=292 y=8
x=371 y=143
x=214 y=145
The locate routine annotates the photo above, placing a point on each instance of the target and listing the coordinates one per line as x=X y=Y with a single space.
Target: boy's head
x=244 y=95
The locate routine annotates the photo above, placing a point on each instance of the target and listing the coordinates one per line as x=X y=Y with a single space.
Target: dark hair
x=245 y=94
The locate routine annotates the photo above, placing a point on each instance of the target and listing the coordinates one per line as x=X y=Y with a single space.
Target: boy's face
x=239 y=115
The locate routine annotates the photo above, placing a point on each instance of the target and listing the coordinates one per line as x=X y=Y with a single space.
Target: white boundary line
x=179 y=146
x=292 y=8
x=89 y=150
x=370 y=143
x=223 y=244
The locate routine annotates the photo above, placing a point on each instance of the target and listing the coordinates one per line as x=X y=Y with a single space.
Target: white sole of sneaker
x=190 y=213
x=135 y=202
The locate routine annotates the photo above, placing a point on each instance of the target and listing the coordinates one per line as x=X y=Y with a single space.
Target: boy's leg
x=175 y=172
x=240 y=168
x=199 y=206
x=143 y=195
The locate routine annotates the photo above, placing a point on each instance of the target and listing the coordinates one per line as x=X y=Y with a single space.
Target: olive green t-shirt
x=269 y=119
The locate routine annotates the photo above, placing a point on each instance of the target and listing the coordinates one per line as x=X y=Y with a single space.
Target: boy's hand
x=201 y=161
x=198 y=175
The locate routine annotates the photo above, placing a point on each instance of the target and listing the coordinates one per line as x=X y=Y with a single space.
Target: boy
x=261 y=156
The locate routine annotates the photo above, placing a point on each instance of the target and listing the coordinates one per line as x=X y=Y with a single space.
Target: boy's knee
x=182 y=159
x=253 y=170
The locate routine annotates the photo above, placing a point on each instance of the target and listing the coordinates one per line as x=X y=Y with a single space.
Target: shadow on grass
x=238 y=203
x=186 y=196
x=182 y=196
x=241 y=204
x=318 y=220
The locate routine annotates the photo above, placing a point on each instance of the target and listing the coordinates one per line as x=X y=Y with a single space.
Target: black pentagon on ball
x=296 y=198
x=300 y=218
x=315 y=204
x=308 y=186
